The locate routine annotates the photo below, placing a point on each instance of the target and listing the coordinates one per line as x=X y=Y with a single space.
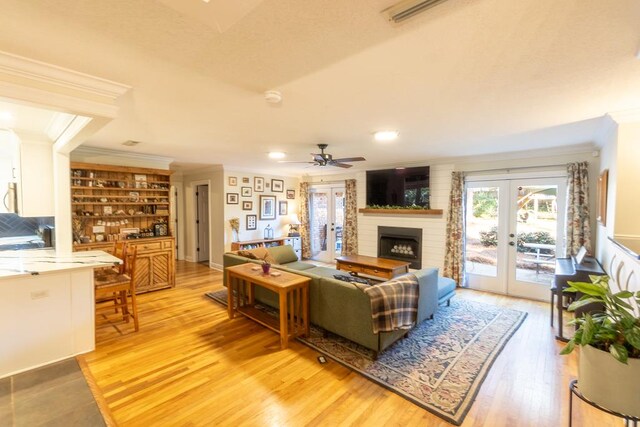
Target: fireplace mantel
x=402 y=211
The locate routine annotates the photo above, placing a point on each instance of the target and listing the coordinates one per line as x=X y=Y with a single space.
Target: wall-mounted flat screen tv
x=398 y=187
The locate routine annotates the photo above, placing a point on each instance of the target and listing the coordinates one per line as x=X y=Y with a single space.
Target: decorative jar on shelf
x=268 y=232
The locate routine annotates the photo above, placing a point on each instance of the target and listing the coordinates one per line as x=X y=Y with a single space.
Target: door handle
x=512 y=244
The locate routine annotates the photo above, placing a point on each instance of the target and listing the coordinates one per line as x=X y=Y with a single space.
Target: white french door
x=514 y=229
x=326 y=214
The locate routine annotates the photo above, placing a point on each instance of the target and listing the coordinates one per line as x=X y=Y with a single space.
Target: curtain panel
x=578 y=229
x=305 y=226
x=350 y=227
x=455 y=234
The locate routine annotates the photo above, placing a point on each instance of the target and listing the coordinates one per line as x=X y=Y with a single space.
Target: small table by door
x=380 y=267
x=567 y=270
x=293 y=296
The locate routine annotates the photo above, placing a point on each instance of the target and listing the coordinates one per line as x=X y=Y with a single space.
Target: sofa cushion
x=299 y=265
x=283 y=254
x=259 y=254
x=445 y=286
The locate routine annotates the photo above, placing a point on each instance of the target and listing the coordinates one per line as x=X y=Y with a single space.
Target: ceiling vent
x=408 y=8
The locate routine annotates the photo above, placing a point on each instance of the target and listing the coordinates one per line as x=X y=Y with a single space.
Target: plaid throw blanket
x=394 y=304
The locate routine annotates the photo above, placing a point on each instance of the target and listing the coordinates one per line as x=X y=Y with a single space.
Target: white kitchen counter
x=47 y=306
x=40 y=261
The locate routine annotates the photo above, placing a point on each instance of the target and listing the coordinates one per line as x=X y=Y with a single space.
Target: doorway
x=514 y=229
x=202 y=223
x=326 y=214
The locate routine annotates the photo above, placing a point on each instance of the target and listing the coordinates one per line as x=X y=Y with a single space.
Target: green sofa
x=337 y=306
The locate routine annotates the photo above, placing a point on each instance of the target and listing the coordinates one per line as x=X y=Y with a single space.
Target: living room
x=501 y=93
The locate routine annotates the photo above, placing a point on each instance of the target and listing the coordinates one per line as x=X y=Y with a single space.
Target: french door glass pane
x=319 y=210
x=482 y=231
x=536 y=228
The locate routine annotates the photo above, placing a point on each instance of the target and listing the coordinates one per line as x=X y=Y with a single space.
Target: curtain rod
x=508 y=169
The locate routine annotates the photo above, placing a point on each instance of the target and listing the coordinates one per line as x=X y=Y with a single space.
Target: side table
x=573 y=389
x=293 y=297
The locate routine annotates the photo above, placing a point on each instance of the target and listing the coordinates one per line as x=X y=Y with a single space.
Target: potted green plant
x=609 y=367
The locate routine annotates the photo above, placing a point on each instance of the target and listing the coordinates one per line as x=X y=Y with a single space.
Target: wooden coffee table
x=293 y=296
x=379 y=267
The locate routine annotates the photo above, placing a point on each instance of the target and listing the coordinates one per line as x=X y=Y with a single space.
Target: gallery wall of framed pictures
x=257 y=201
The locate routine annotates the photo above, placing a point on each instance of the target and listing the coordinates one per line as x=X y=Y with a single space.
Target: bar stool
x=119 y=288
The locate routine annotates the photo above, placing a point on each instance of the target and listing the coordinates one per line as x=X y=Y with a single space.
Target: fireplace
x=402 y=244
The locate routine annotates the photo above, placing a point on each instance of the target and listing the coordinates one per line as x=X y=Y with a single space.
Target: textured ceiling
x=466 y=77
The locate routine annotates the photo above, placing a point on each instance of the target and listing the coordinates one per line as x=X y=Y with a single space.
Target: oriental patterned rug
x=440 y=366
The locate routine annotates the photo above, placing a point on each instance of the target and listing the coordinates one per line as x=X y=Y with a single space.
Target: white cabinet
x=35 y=186
x=295 y=242
x=45 y=318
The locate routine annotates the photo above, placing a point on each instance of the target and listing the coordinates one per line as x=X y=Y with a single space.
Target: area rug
x=442 y=363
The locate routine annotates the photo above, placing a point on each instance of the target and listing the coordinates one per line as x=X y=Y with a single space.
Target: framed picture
x=252 y=222
x=283 y=207
x=245 y=191
x=258 y=184
x=247 y=206
x=245 y=180
x=267 y=207
x=233 y=181
x=232 y=198
x=291 y=194
x=603 y=182
x=134 y=196
x=107 y=210
x=277 y=185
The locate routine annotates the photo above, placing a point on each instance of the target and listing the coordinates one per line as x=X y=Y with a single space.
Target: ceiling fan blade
x=292 y=161
x=340 y=165
x=317 y=157
x=351 y=159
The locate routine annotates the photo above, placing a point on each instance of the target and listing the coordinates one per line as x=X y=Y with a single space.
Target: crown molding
x=96 y=151
x=42 y=72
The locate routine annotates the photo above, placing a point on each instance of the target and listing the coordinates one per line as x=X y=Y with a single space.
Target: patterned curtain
x=454 y=247
x=578 y=229
x=305 y=226
x=350 y=228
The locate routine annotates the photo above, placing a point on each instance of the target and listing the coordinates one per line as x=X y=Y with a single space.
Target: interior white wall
x=615 y=155
x=212 y=176
x=280 y=225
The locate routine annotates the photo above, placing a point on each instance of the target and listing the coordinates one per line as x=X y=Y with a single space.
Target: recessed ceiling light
x=385 y=135
x=277 y=155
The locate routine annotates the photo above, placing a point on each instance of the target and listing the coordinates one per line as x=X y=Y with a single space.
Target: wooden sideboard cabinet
x=155 y=263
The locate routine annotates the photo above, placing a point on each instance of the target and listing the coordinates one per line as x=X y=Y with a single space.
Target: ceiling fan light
x=386 y=135
x=277 y=155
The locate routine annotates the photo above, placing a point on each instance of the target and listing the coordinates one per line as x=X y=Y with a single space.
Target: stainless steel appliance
x=10 y=199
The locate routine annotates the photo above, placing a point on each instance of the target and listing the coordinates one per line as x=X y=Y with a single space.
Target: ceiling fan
x=326 y=159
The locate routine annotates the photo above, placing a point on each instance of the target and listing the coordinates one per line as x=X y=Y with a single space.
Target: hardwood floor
x=191 y=365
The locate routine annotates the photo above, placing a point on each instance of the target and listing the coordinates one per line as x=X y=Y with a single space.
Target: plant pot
x=609 y=383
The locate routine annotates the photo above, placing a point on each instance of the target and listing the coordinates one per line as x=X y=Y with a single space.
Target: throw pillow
x=247 y=254
x=260 y=254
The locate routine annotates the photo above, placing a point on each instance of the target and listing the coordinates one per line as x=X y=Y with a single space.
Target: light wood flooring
x=191 y=365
